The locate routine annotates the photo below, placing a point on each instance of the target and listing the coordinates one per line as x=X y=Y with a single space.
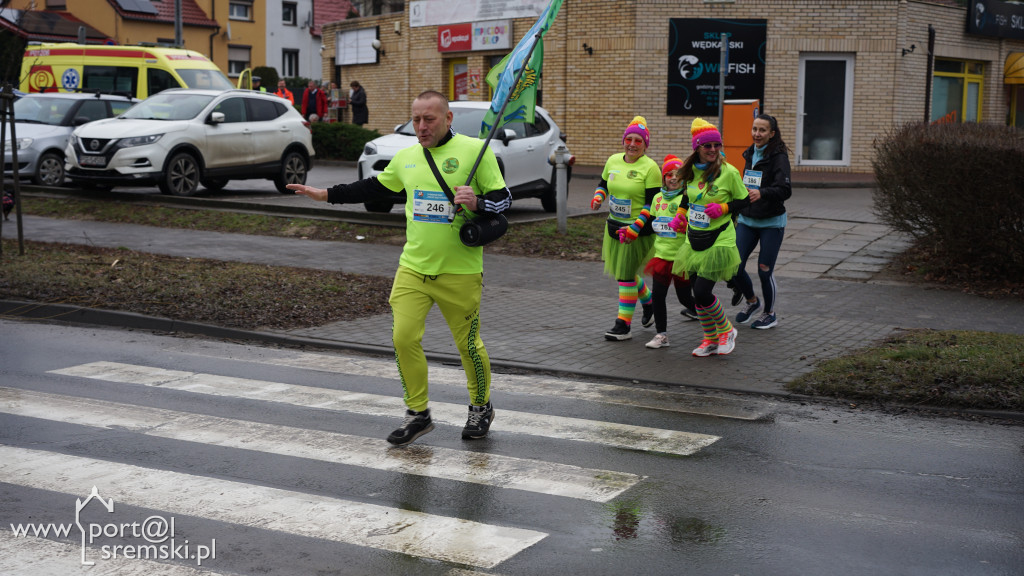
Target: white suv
x=179 y=139
x=523 y=151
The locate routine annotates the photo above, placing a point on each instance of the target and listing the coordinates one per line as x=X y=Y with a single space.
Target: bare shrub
x=958 y=188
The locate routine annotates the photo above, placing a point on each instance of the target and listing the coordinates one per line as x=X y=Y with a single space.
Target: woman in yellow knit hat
x=714 y=190
x=629 y=181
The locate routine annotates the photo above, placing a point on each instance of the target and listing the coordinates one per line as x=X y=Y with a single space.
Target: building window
x=289 y=13
x=956 y=91
x=239 y=10
x=238 y=59
x=355 y=46
x=824 y=109
x=289 y=63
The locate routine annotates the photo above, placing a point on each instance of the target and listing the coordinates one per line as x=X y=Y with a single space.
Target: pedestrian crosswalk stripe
x=576 y=429
x=489 y=469
x=41 y=557
x=716 y=405
x=404 y=531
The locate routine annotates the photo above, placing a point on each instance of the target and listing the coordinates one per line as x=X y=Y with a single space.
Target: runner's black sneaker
x=480 y=418
x=416 y=424
x=648 y=318
x=619 y=332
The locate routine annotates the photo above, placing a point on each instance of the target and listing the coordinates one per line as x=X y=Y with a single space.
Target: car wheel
x=50 y=171
x=549 y=200
x=214 y=184
x=181 y=175
x=293 y=171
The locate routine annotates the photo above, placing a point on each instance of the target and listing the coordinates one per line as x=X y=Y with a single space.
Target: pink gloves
x=627 y=234
x=678 y=224
x=716 y=210
x=599 y=195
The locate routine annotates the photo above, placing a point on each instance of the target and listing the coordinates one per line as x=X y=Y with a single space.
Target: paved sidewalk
x=551 y=315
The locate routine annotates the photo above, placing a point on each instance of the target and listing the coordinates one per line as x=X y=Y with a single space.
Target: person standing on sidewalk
x=666 y=244
x=766 y=176
x=629 y=181
x=284 y=92
x=714 y=189
x=435 y=266
x=360 y=113
x=314 y=102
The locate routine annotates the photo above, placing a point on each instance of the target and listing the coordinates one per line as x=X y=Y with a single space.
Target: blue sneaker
x=766 y=321
x=748 y=311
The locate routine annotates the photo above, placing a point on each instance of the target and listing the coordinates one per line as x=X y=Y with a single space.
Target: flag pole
x=497 y=121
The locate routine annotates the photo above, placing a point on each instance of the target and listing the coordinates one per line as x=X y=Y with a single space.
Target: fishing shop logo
x=150 y=539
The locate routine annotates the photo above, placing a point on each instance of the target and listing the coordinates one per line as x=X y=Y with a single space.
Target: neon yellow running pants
x=458 y=297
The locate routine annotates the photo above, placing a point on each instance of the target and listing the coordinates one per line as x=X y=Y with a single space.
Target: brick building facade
x=594 y=94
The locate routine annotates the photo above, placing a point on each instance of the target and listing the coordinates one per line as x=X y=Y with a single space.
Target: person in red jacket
x=314 y=101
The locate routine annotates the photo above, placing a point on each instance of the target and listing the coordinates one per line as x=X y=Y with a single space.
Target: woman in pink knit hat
x=629 y=181
x=714 y=190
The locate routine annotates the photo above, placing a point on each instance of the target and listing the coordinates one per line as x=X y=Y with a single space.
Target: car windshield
x=42 y=110
x=464 y=121
x=165 y=106
x=205 y=79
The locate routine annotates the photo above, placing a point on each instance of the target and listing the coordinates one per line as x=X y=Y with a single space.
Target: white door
x=825 y=109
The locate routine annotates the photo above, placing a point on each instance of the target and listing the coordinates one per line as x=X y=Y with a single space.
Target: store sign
x=489 y=35
x=455 y=37
x=492 y=35
x=996 y=18
x=694 y=59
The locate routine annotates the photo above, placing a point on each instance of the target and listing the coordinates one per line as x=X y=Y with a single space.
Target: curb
x=71 y=314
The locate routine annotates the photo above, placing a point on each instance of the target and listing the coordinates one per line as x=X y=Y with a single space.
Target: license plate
x=93 y=161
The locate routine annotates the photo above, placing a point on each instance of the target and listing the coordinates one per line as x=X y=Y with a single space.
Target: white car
x=522 y=151
x=43 y=123
x=181 y=138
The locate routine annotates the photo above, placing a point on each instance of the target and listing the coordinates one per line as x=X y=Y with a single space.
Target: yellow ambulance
x=138 y=71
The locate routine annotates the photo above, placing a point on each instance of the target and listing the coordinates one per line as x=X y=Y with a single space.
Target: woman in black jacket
x=766 y=176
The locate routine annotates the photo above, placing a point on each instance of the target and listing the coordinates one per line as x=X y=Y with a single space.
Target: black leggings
x=703 y=293
x=659 y=297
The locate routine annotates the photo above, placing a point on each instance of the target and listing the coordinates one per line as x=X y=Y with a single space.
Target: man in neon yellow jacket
x=435 y=266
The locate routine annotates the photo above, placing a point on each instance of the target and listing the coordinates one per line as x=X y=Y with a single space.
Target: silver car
x=43 y=123
x=522 y=150
x=180 y=139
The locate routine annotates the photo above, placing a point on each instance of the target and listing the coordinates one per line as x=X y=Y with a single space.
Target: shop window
x=1016 y=106
x=956 y=91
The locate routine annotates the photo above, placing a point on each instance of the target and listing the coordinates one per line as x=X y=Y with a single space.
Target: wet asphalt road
x=799 y=489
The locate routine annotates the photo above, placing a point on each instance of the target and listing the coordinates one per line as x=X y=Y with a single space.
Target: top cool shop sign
x=467 y=36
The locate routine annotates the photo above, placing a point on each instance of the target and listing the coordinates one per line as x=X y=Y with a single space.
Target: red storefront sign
x=455 y=37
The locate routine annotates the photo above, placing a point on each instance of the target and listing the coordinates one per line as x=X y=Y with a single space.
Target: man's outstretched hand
x=318 y=194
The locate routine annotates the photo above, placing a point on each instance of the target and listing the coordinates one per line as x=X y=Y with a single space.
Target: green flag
x=522 y=98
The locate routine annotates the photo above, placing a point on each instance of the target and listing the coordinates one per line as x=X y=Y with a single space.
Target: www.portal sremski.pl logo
x=157 y=533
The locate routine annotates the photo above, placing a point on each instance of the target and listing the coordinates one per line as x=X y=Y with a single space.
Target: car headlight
x=22 y=144
x=138 y=141
x=369 y=149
